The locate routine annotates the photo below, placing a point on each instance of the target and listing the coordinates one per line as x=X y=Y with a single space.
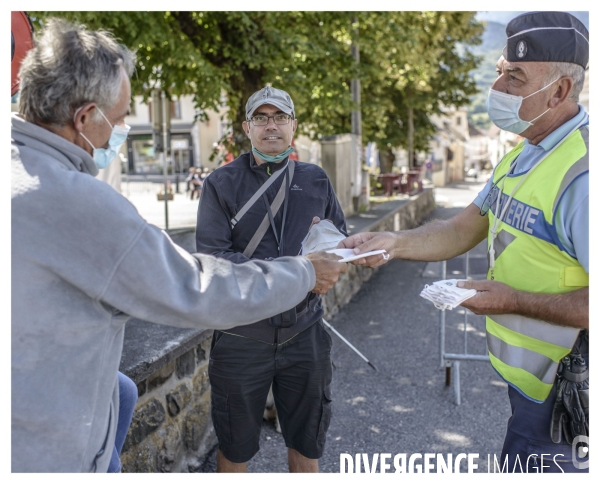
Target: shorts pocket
x=327 y=335
x=325 y=414
x=216 y=339
x=220 y=416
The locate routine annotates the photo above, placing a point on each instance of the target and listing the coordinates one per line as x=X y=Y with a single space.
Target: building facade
x=447 y=150
x=192 y=141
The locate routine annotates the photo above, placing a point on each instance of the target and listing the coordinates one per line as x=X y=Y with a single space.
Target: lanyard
x=275 y=206
x=497 y=220
x=279 y=238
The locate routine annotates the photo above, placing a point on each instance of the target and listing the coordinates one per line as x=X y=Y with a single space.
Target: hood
x=74 y=157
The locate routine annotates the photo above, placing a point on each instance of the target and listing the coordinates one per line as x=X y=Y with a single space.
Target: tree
x=290 y=50
x=426 y=68
x=408 y=59
x=209 y=53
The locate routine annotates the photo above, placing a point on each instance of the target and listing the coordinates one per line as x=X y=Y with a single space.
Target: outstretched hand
x=327 y=270
x=368 y=241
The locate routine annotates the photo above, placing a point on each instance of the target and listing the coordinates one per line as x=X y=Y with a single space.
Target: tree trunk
x=411 y=140
x=386 y=159
x=250 y=82
x=246 y=83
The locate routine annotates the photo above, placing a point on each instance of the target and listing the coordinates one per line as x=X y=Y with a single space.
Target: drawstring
x=279 y=239
x=497 y=220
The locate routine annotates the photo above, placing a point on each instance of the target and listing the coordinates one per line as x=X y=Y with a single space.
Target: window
x=145 y=159
x=176 y=109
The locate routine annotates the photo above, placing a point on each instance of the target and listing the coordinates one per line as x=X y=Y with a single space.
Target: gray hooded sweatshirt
x=83 y=262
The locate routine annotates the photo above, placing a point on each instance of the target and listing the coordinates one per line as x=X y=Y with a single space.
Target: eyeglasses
x=262 y=120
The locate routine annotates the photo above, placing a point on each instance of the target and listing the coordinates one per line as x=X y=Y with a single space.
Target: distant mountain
x=493 y=40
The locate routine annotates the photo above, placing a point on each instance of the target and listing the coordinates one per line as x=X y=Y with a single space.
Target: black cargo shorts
x=241 y=371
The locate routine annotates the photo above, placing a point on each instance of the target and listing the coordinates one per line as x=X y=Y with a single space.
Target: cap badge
x=521 y=49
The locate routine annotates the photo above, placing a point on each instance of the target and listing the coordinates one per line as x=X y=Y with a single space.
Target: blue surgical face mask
x=503 y=110
x=104 y=156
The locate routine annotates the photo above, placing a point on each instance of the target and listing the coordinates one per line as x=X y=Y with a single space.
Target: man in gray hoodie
x=84 y=261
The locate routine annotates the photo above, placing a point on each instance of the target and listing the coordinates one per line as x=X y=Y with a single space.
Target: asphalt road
x=405 y=407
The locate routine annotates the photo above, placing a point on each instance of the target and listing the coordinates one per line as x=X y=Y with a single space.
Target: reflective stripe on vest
x=522 y=358
x=529 y=257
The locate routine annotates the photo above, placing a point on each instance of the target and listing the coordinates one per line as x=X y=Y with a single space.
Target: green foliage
x=415 y=60
x=407 y=59
x=165 y=55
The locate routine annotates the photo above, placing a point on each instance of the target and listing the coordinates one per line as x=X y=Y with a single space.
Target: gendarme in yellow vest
x=526 y=352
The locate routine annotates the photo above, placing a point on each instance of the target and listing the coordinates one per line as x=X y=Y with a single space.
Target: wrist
x=515 y=302
x=397 y=245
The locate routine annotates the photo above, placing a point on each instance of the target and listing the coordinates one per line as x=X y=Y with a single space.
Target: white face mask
x=503 y=110
x=321 y=236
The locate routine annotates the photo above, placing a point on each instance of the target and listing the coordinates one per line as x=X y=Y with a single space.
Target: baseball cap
x=270 y=95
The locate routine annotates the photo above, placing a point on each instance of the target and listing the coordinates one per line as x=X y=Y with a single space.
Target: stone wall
x=171 y=429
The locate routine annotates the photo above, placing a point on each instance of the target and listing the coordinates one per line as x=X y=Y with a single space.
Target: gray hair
x=556 y=70
x=69 y=67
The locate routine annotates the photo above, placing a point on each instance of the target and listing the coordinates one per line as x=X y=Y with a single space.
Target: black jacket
x=225 y=192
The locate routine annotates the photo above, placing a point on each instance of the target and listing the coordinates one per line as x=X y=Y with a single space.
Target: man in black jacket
x=291 y=350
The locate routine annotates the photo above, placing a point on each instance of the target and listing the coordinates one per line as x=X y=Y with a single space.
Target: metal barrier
x=451 y=361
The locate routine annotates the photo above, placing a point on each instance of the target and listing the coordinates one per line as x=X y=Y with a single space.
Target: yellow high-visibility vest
x=529 y=257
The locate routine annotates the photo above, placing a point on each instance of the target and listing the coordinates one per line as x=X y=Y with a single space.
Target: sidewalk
x=181 y=210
